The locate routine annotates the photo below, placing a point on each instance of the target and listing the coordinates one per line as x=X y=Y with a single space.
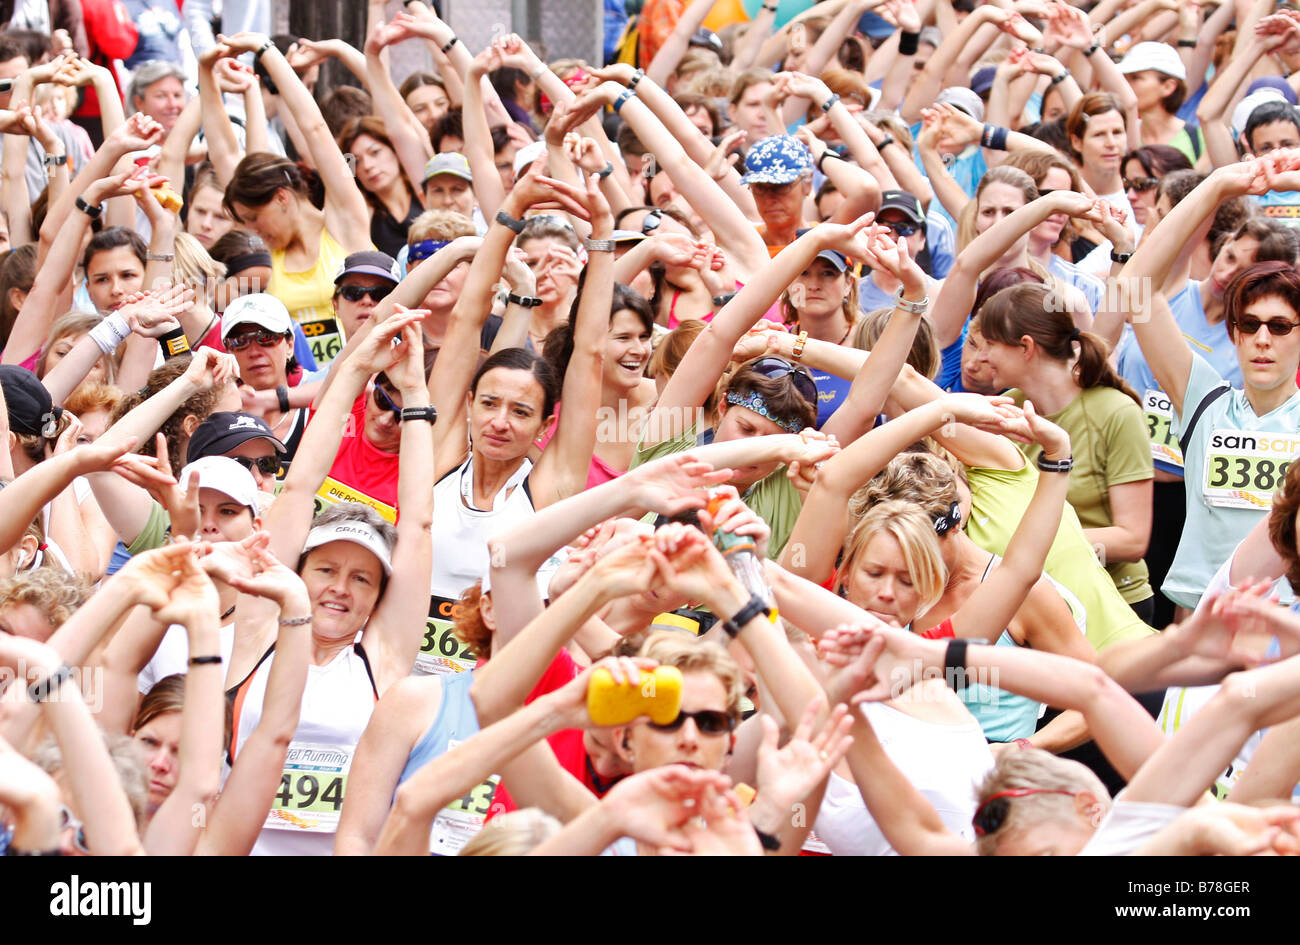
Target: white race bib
x=312 y=787
x=458 y=822
x=1159 y=414
x=1243 y=468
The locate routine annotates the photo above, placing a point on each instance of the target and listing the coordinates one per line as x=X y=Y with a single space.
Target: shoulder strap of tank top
x=365 y=660
x=238 y=692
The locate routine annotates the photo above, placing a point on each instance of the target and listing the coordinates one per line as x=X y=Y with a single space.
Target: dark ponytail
x=259 y=176
x=1041 y=313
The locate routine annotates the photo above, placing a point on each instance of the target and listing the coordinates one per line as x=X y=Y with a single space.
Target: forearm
x=671 y=51
x=899 y=73
x=944 y=185
x=126 y=506
x=218 y=130
x=1274 y=767
x=53 y=279
x=927 y=87
x=13 y=189
x=588 y=834
x=1068 y=730
x=478 y=149
x=1119 y=543
x=257 y=138
x=22 y=500
x=871 y=386
x=973 y=447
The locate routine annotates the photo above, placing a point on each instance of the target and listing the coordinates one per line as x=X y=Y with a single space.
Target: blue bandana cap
x=755 y=402
x=423 y=249
x=779 y=159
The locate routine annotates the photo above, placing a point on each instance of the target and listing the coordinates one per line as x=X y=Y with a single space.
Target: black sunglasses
x=992 y=814
x=1141 y=184
x=708 y=721
x=1278 y=327
x=947 y=522
x=384 y=402
x=901 y=229
x=780 y=367
x=264 y=339
x=355 y=293
x=268 y=465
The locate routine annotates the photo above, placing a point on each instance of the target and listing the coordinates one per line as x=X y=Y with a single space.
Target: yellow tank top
x=308 y=296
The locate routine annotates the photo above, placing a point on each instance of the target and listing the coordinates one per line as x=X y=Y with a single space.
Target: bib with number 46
x=1243 y=468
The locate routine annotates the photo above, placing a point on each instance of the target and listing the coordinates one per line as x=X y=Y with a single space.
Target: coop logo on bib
x=1243 y=468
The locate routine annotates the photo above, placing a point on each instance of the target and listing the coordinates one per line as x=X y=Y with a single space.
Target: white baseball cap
x=1241 y=114
x=357 y=532
x=256 y=308
x=226 y=476
x=1159 y=57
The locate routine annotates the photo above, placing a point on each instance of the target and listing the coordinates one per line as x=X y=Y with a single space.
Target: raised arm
x=664 y=64
x=488 y=189
x=410 y=140
x=346 y=215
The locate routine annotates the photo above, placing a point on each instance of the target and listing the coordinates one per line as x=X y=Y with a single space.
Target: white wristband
x=110 y=333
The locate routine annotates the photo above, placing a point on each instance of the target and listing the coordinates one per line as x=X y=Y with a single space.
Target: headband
x=423 y=249
x=244 y=261
x=755 y=402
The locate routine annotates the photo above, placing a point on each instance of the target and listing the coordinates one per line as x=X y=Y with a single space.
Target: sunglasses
x=264 y=339
x=384 y=402
x=1141 y=184
x=708 y=721
x=355 y=293
x=268 y=465
x=780 y=367
x=651 y=221
x=901 y=229
x=946 y=523
x=1278 y=327
x=66 y=820
x=992 y=814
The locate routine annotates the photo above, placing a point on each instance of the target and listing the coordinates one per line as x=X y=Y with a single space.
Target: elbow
x=1238 y=697
x=1096 y=689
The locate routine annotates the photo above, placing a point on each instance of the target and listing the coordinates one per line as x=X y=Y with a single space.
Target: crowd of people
x=862 y=427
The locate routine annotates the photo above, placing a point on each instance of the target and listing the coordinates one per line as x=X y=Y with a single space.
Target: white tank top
x=945 y=762
x=460 y=556
x=336 y=707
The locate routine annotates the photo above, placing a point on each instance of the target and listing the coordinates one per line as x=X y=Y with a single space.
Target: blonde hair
x=1038 y=770
x=439 y=225
x=74 y=323
x=674 y=649
x=517 y=833
x=52 y=591
x=924 y=355
x=921 y=479
x=913 y=529
x=1012 y=177
x=195 y=268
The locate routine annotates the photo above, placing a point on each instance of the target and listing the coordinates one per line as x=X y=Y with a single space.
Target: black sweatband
x=908 y=43
x=244 y=261
x=173 y=343
x=954 y=659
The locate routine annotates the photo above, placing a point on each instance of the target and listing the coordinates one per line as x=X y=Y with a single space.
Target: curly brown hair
x=52 y=591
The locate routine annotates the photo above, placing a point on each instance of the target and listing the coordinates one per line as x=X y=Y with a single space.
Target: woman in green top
x=1030 y=343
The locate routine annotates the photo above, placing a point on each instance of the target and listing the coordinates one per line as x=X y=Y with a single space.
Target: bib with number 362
x=1243 y=468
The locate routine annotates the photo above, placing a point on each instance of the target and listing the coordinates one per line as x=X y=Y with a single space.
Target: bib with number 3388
x=1243 y=468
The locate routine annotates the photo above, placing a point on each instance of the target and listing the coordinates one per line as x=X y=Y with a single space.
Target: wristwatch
x=429 y=413
x=509 y=222
x=91 y=210
x=913 y=308
x=1120 y=257
x=55 y=160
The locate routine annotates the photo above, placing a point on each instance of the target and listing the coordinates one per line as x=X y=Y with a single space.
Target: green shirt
x=772 y=498
x=1108 y=436
x=999 y=498
x=154 y=533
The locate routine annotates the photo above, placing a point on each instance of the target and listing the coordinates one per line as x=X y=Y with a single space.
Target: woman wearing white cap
x=1159 y=80
x=258 y=331
x=368 y=592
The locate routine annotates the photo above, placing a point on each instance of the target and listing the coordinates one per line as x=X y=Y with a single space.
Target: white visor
x=359 y=533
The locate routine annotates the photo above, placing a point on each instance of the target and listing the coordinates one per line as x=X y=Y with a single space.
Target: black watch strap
x=509 y=222
x=524 y=301
x=429 y=413
x=282 y=398
x=767 y=841
x=756 y=607
x=954 y=663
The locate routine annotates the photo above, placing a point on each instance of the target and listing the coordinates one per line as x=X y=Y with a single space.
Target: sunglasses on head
x=992 y=814
x=901 y=229
x=1278 y=327
x=66 y=820
x=780 y=367
x=384 y=402
x=264 y=339
x=1141 y=184
x=652 y=221
x=267 y=465
x=947 y=522
x=355 y=293
x=708 y=721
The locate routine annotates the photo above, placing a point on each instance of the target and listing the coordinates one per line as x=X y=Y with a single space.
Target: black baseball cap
x=902 y=200
x=369 y=262
x=225 y=430
x=31 y=410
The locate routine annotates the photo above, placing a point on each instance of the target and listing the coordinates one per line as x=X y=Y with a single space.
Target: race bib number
x=1243 y=468
x=441 y=651
x=1159 y=416
x=332 y=491
x=312 y=787
x=324 y=337
x=460 y=820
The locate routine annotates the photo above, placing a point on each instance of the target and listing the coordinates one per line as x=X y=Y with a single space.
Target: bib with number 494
x=1243 y=468
x=312 y=787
